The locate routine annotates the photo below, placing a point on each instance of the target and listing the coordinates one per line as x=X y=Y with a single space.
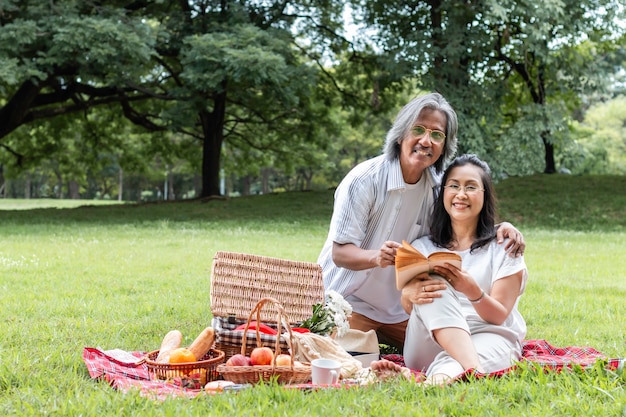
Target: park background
x=232 y=121
x=117 y=275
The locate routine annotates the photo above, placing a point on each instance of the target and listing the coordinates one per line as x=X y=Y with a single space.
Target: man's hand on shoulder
x=516 y=245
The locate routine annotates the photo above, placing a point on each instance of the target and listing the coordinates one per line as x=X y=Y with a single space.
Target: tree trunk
x=550 y=165
x=73 y=190
x=120 y=185
x=246 y=182
x=2 y=182
x=170 y=185
x=59 y=184
x=265 y=180
x=307 y=174
x=213 y=130
x=27 y=186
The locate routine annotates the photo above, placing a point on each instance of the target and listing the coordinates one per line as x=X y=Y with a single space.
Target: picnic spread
x=263 y=330
x=127 y=375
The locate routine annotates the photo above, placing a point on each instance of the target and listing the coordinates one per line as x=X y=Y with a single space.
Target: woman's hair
x=440 y=223
x=406 y=119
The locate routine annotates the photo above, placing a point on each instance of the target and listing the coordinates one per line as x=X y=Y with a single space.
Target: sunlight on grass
x=39 y=203
x=122 y=276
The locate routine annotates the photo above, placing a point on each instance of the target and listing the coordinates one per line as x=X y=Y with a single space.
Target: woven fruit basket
x=295 y=373
x=239 y=280
x=189 y=374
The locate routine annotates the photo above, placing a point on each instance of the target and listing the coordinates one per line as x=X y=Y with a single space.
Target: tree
x=62 y=60
x=512 y=70
x=600 y=147
x=556 y=51
x=242 y=72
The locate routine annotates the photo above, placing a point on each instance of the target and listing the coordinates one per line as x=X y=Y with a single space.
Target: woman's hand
x=421 y=290
x=516 y=245
x=460 y=280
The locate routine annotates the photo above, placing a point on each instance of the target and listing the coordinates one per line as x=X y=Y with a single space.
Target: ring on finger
x=424 y=289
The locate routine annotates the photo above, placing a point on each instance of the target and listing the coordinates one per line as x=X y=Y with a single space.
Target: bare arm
x=350 y=256
x=494 y=307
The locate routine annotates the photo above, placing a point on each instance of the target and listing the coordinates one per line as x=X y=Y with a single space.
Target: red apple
x=238 y=360
x=261 y=356
x=283 y=360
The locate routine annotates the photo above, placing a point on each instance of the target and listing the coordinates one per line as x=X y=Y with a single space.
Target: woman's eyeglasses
x=468 y=189
x=420 y=131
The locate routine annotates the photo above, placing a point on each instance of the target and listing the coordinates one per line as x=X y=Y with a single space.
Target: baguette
x=171 y=341
x=203 y=343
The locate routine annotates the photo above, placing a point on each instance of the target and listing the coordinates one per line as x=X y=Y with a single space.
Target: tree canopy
x=514 y=70
x=211 y=71
x=254 y=86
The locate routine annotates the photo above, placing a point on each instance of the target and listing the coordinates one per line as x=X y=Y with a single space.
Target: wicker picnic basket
x=188 y=374
x=292 y=374
x=239 y=281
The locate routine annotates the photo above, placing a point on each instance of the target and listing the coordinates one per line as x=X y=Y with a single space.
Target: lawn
x=122 y=275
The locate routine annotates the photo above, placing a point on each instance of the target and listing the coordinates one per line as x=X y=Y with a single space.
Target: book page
x=410 y=263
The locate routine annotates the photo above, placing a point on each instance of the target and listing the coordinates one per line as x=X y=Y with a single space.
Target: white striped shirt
x=368 y=205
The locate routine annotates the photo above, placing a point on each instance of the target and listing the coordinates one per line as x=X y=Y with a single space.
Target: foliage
x=602 y=139
x=524 y=137
x=281 y=94
x=329 y=317
x=505 y=66
x=239 y=74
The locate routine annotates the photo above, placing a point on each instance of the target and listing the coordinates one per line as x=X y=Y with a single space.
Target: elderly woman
x=463 y=319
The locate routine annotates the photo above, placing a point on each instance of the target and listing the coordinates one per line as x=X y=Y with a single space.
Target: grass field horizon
x=566 y=202
x=122 y=275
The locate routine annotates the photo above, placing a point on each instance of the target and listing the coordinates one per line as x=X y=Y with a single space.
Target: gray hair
x=406 y=119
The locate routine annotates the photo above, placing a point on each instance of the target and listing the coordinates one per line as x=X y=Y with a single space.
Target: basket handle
x=280 y=313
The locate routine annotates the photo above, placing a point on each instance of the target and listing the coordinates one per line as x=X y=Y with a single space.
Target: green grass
x=565 y=202
x=29 y=204
x=121 y=276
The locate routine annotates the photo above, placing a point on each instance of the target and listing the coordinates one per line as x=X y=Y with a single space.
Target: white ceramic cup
x=325 y=371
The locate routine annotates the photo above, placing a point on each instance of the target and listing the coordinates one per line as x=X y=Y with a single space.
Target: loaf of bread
x=215 y=387
x=171 y=341
x=203 y=343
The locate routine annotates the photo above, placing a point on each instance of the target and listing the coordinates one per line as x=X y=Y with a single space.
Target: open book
x=410 y=262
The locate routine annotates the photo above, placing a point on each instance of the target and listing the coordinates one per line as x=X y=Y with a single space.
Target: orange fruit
x=182 y=355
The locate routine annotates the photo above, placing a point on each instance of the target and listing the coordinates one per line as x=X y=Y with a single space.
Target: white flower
x=332 y=316
x=337 y=303
x=341 y=310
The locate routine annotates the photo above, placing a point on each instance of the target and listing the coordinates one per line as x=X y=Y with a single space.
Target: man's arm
x=350 y=256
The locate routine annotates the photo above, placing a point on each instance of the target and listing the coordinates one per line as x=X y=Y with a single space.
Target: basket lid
x=239 y=281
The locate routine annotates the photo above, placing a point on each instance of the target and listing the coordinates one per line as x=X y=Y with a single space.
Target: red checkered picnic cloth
x=555 y=358
x=547 y=356
x=127 y=376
